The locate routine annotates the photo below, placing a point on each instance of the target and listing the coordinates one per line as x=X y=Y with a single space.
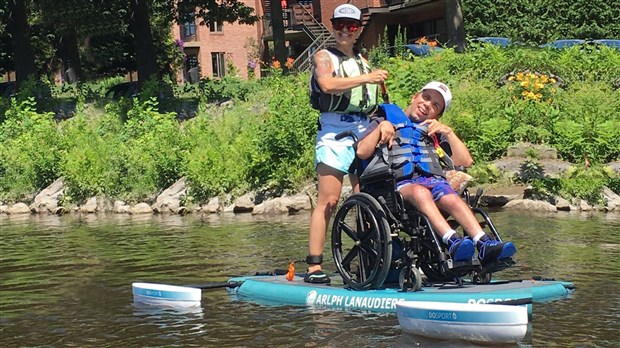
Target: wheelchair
x=380 y=240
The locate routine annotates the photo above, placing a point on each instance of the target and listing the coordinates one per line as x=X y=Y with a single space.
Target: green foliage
x=282 y=150
x=216 y=160
x=29 y=150
x=130 y=160
x=578 y=183
x=484 y=174
x=541 y=21
x=265 y=139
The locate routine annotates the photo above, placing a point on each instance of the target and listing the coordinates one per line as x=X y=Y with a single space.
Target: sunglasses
x=351 y=26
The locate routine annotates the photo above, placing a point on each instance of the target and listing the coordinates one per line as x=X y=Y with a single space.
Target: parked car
x=565 y=43
x=422 y=49
x=608 y=42
x=498 y=41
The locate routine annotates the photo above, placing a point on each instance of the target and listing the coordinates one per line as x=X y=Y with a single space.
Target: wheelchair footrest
x=460 y=268
x=498 y=265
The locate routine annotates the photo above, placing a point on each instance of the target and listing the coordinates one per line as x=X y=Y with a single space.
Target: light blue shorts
x=337 y=157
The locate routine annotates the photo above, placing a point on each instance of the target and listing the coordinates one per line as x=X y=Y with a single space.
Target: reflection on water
x=66 y=281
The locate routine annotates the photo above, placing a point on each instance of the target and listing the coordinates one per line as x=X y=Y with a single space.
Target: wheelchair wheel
x=361 y=242
x=478 y=278
x=410 y=277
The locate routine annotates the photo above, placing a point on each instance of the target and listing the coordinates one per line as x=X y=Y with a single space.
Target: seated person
x=415 y=156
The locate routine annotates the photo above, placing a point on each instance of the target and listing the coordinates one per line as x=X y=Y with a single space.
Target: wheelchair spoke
x=348 y=230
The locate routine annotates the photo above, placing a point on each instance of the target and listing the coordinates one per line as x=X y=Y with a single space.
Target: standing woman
x=345 y=91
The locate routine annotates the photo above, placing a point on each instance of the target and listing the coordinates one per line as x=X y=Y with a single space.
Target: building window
x=215 y=27
x=188 y=28
x=218 y=62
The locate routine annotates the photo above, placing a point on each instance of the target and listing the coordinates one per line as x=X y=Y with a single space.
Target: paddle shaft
x=206 y=286
x=516 y=302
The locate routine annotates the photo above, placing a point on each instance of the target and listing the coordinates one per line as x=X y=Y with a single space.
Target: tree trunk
x=278 y=34
x=23 y=53
x=454 y=25
x=140 y=27
x=70 y=55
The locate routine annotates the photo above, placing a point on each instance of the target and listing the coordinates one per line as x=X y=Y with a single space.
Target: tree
x=71 y=23
x=454 y=25
x=20 y=40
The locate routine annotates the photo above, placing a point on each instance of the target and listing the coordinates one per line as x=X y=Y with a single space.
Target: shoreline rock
x=171 y=200
x=512 y=197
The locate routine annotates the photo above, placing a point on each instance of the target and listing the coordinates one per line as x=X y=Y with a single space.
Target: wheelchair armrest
x=369 y=177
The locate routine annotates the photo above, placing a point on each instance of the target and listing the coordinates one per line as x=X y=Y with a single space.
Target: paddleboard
x=463 y=321
x=277 y=290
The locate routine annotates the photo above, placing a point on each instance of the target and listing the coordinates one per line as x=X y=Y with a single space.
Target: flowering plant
x=425 y=41
x=532 y=85
x=289 y=62
x=179 y=57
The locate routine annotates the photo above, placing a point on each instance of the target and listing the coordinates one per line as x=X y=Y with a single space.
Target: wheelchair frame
x=378 y=237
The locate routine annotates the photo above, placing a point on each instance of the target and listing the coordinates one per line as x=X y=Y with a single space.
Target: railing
x=317 y=31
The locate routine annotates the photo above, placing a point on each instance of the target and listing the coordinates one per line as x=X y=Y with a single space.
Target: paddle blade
x=163 y=294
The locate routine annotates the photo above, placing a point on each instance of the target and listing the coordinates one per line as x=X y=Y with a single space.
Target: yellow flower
x=538 y=86
x=552 y=80
x=525 y=83
x=511 y=78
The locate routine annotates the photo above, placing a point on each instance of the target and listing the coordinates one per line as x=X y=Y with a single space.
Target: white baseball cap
x=443 y=89
x=347 y=11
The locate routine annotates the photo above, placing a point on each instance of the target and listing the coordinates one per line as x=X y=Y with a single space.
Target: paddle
x=214 y=285
x=516 y=302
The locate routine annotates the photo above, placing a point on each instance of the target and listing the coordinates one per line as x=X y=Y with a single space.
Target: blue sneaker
x=492 y=250
x=462 y=249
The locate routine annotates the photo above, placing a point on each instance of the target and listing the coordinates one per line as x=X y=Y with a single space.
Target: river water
x=65 y=281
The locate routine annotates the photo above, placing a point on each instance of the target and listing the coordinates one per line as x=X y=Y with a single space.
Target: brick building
x=214 y=48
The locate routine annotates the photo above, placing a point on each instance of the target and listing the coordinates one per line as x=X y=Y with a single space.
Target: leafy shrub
x=282 y=150
x=30 y=150
x=216 y=159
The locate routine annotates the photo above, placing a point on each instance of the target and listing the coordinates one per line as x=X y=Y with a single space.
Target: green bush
x=265 y=140
x=30 y=150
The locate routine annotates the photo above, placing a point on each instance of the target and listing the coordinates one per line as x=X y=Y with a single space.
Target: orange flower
x=276 y=64
x=289 y=62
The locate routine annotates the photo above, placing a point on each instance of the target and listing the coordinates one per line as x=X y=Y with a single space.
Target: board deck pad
x=277 y=290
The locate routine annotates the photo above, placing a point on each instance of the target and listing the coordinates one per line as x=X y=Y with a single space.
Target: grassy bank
x=133 y=149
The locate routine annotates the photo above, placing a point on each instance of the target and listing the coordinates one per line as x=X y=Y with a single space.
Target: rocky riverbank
x=170 y=201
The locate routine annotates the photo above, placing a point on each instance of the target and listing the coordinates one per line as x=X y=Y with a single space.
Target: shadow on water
x=66 y=281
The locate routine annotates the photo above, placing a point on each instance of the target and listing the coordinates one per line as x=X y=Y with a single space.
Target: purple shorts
x=439 y=187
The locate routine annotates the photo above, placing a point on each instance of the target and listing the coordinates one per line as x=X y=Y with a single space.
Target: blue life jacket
x=412 y=152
